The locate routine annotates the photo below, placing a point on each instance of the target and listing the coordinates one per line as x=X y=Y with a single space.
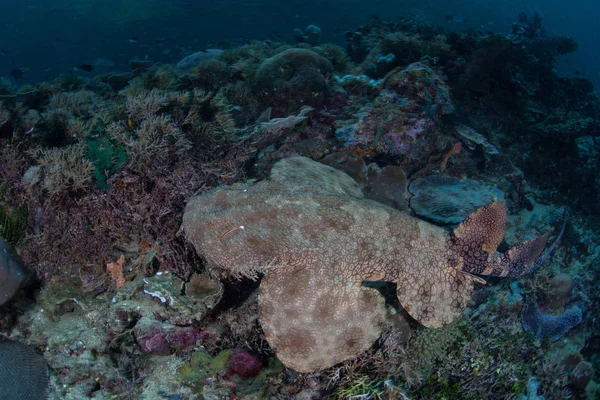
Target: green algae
x=107 y=159
x=202 y=366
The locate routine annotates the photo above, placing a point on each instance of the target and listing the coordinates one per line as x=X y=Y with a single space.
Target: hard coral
x=404 y=118
x=318 y=240
x=420 y=82
x=297 y=76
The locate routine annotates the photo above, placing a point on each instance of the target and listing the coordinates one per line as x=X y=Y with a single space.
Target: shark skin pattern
x=316 y=239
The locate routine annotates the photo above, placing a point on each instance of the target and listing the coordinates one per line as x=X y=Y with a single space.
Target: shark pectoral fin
x=435 y=300
x=484 y=229
x=313 y=319
x=474 y=278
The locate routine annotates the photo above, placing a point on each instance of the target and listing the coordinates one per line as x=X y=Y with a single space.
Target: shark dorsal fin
x=485 y=227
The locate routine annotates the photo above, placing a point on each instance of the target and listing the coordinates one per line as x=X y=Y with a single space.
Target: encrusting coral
x=316 y=239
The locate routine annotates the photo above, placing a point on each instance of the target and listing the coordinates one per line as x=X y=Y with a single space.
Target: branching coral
x=65 y=169
x=77 y=103
x=146 y=104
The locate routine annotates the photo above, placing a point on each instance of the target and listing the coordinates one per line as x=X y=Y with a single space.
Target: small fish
x=133 y=39
x=160 y=40
x=449 y=18
x=84 y=67
x=278 y=36
x=18 y=73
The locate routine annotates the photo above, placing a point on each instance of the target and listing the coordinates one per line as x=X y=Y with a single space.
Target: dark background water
x=51 y=36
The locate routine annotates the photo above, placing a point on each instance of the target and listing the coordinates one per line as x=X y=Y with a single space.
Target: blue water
x=50 y=37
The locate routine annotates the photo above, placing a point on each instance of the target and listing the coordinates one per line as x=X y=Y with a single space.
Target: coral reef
x=96 y=171
x=403 y=120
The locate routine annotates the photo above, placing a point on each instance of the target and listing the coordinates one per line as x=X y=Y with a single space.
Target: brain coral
x=316 y=239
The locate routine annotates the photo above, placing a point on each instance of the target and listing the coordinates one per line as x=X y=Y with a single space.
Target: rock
x=313 y=35
x=582 y=375
x=140 y=65
x=118 y=81
x=561 y=287
x=155 y=337
x=448 y=200
x=193 y=60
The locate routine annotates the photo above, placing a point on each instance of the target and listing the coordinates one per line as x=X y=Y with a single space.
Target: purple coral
x=553 y=326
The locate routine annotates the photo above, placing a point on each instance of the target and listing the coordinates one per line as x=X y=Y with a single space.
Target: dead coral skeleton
x=276 y=125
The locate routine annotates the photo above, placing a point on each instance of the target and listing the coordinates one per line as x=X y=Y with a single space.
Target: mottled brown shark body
x=316 y=239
